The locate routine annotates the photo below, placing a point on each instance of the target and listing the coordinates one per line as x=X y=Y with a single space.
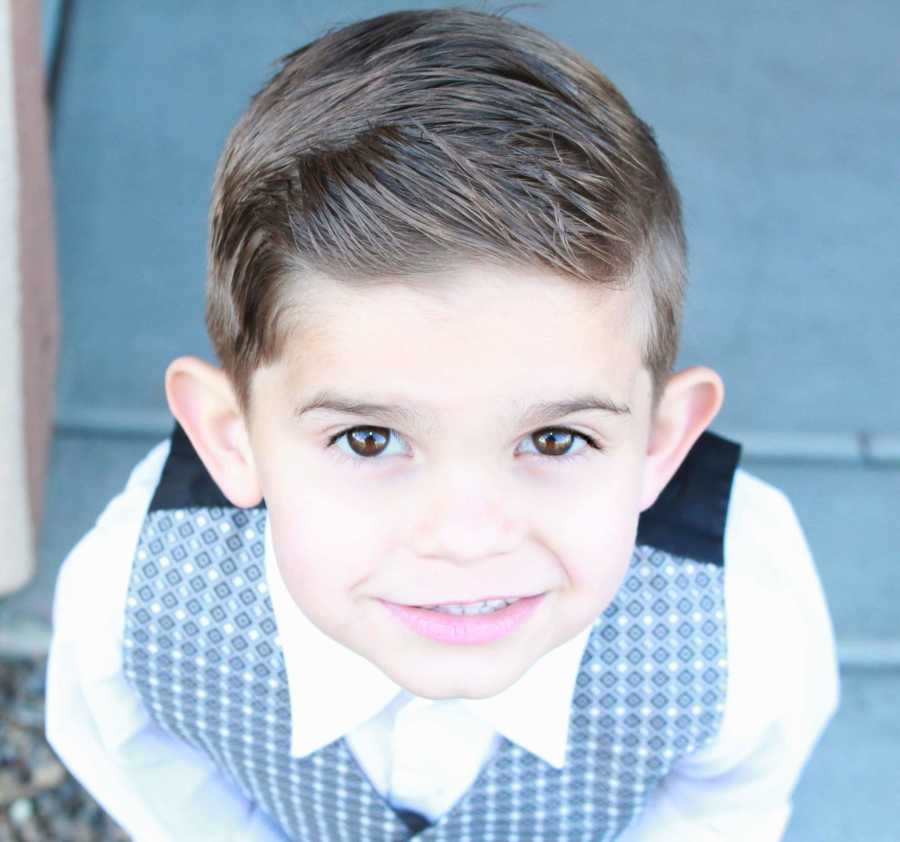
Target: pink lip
x=465 y=629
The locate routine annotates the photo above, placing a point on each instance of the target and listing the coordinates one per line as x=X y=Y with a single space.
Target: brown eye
x=367 y=441
x=553 y=442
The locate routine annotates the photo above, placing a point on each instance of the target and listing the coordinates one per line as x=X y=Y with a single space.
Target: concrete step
x=85 y=473
x=849 y=514
x=848 y=791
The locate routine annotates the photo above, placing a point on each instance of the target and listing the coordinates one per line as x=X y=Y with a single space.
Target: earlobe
x=691 y=400
x=201 y=397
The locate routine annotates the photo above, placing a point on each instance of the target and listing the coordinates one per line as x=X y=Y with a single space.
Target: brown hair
x=404 y=145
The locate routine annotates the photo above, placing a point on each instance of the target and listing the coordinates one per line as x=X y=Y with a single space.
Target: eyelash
x=358 y=461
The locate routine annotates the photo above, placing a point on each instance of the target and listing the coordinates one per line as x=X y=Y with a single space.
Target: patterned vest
x=201 y=651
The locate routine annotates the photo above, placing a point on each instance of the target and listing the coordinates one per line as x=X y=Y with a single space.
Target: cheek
x=322 y=554
x=597 y=565
x=597 y=542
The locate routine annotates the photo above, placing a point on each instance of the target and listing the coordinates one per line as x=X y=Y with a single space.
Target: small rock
x=32 y=832
x=10 y=786
x=39 y=800
x=21 y=811
x=48 y=775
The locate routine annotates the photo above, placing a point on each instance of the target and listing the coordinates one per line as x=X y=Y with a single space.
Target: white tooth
x=472 y=608
x=450 y=609
x=484 y=607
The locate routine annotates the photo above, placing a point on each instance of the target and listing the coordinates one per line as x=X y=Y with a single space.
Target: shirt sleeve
x=156 y=787
x=783 y=686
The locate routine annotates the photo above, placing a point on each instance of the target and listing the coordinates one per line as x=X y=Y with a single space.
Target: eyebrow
x=538 y=413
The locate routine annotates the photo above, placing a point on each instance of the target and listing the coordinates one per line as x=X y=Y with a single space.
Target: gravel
x=39 y=800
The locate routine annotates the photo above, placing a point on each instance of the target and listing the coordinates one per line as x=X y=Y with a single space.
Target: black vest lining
x=687 y=519
x=185 y=482
x=416 y=822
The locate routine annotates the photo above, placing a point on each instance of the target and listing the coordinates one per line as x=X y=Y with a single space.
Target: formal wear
x=713 y=755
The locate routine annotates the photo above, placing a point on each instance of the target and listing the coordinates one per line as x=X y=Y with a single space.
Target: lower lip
x=465 y=628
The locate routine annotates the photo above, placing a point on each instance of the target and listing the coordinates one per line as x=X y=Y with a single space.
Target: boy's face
x=473 y=499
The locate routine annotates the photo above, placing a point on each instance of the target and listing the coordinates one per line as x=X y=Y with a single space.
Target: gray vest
x=202 y=653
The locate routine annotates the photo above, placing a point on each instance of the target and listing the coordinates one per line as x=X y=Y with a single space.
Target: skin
x=471 y=501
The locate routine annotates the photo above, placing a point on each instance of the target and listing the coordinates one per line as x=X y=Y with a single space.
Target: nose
x=466 y=517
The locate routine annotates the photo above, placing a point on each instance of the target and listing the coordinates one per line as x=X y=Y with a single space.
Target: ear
x=202 y=399
x=690 y=401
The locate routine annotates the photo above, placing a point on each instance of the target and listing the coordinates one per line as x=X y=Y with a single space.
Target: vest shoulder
x=185 y=483
x=689 y=516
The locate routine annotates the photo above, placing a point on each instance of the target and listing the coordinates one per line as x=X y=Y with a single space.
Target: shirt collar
x=333 y=689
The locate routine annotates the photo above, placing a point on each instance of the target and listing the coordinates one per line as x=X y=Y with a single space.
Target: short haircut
x=405 y=145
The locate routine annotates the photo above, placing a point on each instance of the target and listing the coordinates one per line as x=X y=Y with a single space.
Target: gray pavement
x=849 y=790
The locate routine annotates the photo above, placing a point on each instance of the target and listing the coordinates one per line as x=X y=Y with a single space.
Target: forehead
x=478 y=332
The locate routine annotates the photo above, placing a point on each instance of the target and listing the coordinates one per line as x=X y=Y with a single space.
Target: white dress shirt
x=422 y=754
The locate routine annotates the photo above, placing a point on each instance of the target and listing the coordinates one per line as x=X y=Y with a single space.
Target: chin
x=440 y=684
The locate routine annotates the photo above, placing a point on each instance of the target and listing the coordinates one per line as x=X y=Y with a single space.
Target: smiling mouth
x=467 y=623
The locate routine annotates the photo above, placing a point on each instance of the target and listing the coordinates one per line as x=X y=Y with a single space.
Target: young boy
x=444 y=549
